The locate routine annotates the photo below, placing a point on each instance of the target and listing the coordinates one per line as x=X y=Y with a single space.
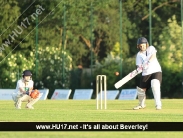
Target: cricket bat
x=128 y=77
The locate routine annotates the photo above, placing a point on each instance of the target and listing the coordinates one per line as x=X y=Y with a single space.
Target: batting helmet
x=142 y=40
x=26 y=73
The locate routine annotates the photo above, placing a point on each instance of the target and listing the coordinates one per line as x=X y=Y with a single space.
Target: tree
x=170 y=55
x=8 y=15
x=138 y=14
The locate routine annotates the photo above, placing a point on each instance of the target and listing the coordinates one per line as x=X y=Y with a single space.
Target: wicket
x=101 y=87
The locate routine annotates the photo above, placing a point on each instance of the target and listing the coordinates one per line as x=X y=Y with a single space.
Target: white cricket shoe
x=158 y=107
x=138 y=107
x=18 y=107
x=29 y=107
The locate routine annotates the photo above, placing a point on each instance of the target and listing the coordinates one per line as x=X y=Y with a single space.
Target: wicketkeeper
x=24 y=91
x=151 y=74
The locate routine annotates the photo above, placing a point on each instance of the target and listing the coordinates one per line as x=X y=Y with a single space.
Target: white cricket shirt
x=154 y=65
x=21 y=84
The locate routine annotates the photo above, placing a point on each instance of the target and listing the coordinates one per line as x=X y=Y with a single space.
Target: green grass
x=85 y=111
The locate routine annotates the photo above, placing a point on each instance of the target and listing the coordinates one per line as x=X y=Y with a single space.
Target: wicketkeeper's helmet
x=26 y=73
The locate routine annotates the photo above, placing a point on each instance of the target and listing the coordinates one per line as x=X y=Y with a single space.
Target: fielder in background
x=24 y=91
x=151 y=74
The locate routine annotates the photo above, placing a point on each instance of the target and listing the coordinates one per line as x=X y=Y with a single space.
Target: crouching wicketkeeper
x=24 y=91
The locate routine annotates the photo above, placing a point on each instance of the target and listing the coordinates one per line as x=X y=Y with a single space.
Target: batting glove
x=139 y=69
x=145 y=65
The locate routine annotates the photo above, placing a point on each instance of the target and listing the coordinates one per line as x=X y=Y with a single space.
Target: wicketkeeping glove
x=34 y=94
